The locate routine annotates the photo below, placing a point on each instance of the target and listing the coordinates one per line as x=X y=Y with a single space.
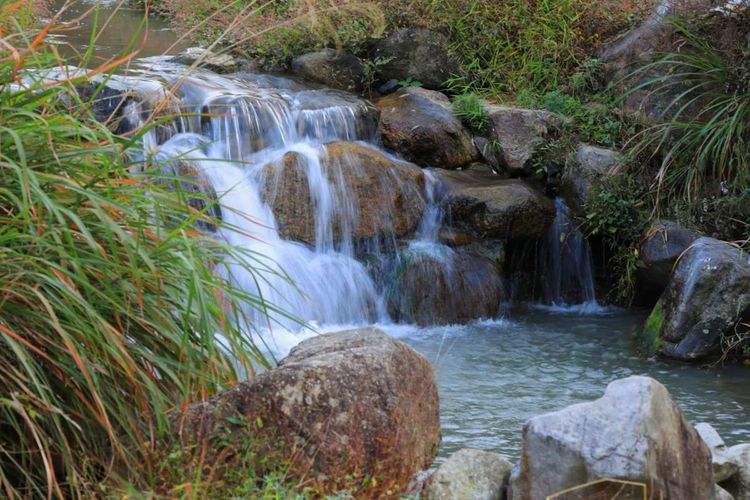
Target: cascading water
x=565 y=265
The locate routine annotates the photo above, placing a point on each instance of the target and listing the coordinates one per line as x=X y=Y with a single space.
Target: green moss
x=648 y=338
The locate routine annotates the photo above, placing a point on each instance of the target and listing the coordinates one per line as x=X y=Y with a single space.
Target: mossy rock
x=648 y=338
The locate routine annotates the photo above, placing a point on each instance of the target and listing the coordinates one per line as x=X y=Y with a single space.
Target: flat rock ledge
x=352 y=410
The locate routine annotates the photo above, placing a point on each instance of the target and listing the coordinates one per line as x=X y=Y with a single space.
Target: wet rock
x=490 y=206
x=431 y=284
x=415 y=54
x=327 y=114
x=663 y=244
x=587 y=167
x=419 y=125
x=205 y=58
x=374 y=195
x=723 y=467
x=331 y=68
x=518 y=134
x=469 y=475
x=635 y=432
x=739 y=484
x=708 y=295
x=342 y=408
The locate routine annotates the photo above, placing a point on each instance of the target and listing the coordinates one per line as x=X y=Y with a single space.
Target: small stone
x=469 y=474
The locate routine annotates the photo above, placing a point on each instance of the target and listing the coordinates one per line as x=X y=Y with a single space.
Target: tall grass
x=704 y=140
x=112 y=312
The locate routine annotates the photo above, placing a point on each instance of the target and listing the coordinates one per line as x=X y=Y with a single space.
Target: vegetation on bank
x=113 y=316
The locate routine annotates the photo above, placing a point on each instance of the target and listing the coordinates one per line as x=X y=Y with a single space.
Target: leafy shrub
x=470 y=108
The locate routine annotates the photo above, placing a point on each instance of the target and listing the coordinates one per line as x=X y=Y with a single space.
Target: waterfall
x=565 y=264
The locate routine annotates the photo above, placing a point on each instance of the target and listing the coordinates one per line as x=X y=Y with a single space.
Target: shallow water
x=493 y=376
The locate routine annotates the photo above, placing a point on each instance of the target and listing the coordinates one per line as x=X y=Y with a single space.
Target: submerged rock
x=342 y=408
x=635 y=432
x=707 y=297
x=331 y=68
x=469 y=474
x=518 y=134
x=586 y=167
x=415 y=54
x=490 y=206
x=663 y=244
x=434 y=285
x=371 y=194
x=419 y=125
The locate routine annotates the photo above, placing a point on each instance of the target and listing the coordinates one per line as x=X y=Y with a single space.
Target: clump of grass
x=470 y=108
x=112 y=312
x=704 y=140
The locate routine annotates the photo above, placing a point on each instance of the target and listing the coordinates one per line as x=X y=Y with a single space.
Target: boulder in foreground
x=635 y=432
x=469 y=474
x=347 y=409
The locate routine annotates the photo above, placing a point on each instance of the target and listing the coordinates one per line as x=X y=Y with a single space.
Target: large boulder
x=344 y=409
x=492 y=207
x=724 y=468
x=419 y=125
x=587 y=167
x=664 y=243
x=469 y=474
x=518 y=134
x=431 y=284
x=635 y=432
x=707 y=297
x=415 y=54
x=374 y=195
x=332 y=68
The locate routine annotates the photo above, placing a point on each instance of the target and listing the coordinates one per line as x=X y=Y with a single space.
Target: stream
x=493 y=375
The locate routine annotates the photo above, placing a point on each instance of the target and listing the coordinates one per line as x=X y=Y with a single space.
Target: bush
x=112 y=314
x=470 y=108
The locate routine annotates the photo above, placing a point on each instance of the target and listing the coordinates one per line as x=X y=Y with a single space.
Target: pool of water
x=493 y=376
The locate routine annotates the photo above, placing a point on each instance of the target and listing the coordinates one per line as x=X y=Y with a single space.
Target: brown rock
x=499 y=208
x=419 y=125
x=375 y=194
x=342 y=408
x=331 y=68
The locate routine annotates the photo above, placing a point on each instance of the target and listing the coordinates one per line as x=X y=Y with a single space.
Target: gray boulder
x=331 y=68
x=587 y=166
x=416 y=54
x=205 y=58
x=663 y=244
x=419 y=125
x=344 y=409
x=518 y=134
x=707 y=297
x=491 y=207
x=635 y=432
x=469 y=475
x=723 y=467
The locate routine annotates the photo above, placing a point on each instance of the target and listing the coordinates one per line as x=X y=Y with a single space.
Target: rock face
x=587 y=167
x=519 y=133
x=722 y=466
x=419 y=125
x=416 y=54
x=490 y=206
x=374 y=195
x=469 y=475
x=435 y=285
x=331 y=68
x=342 y=407
x=708 y=295
x=663 y=244
x=635 y=432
